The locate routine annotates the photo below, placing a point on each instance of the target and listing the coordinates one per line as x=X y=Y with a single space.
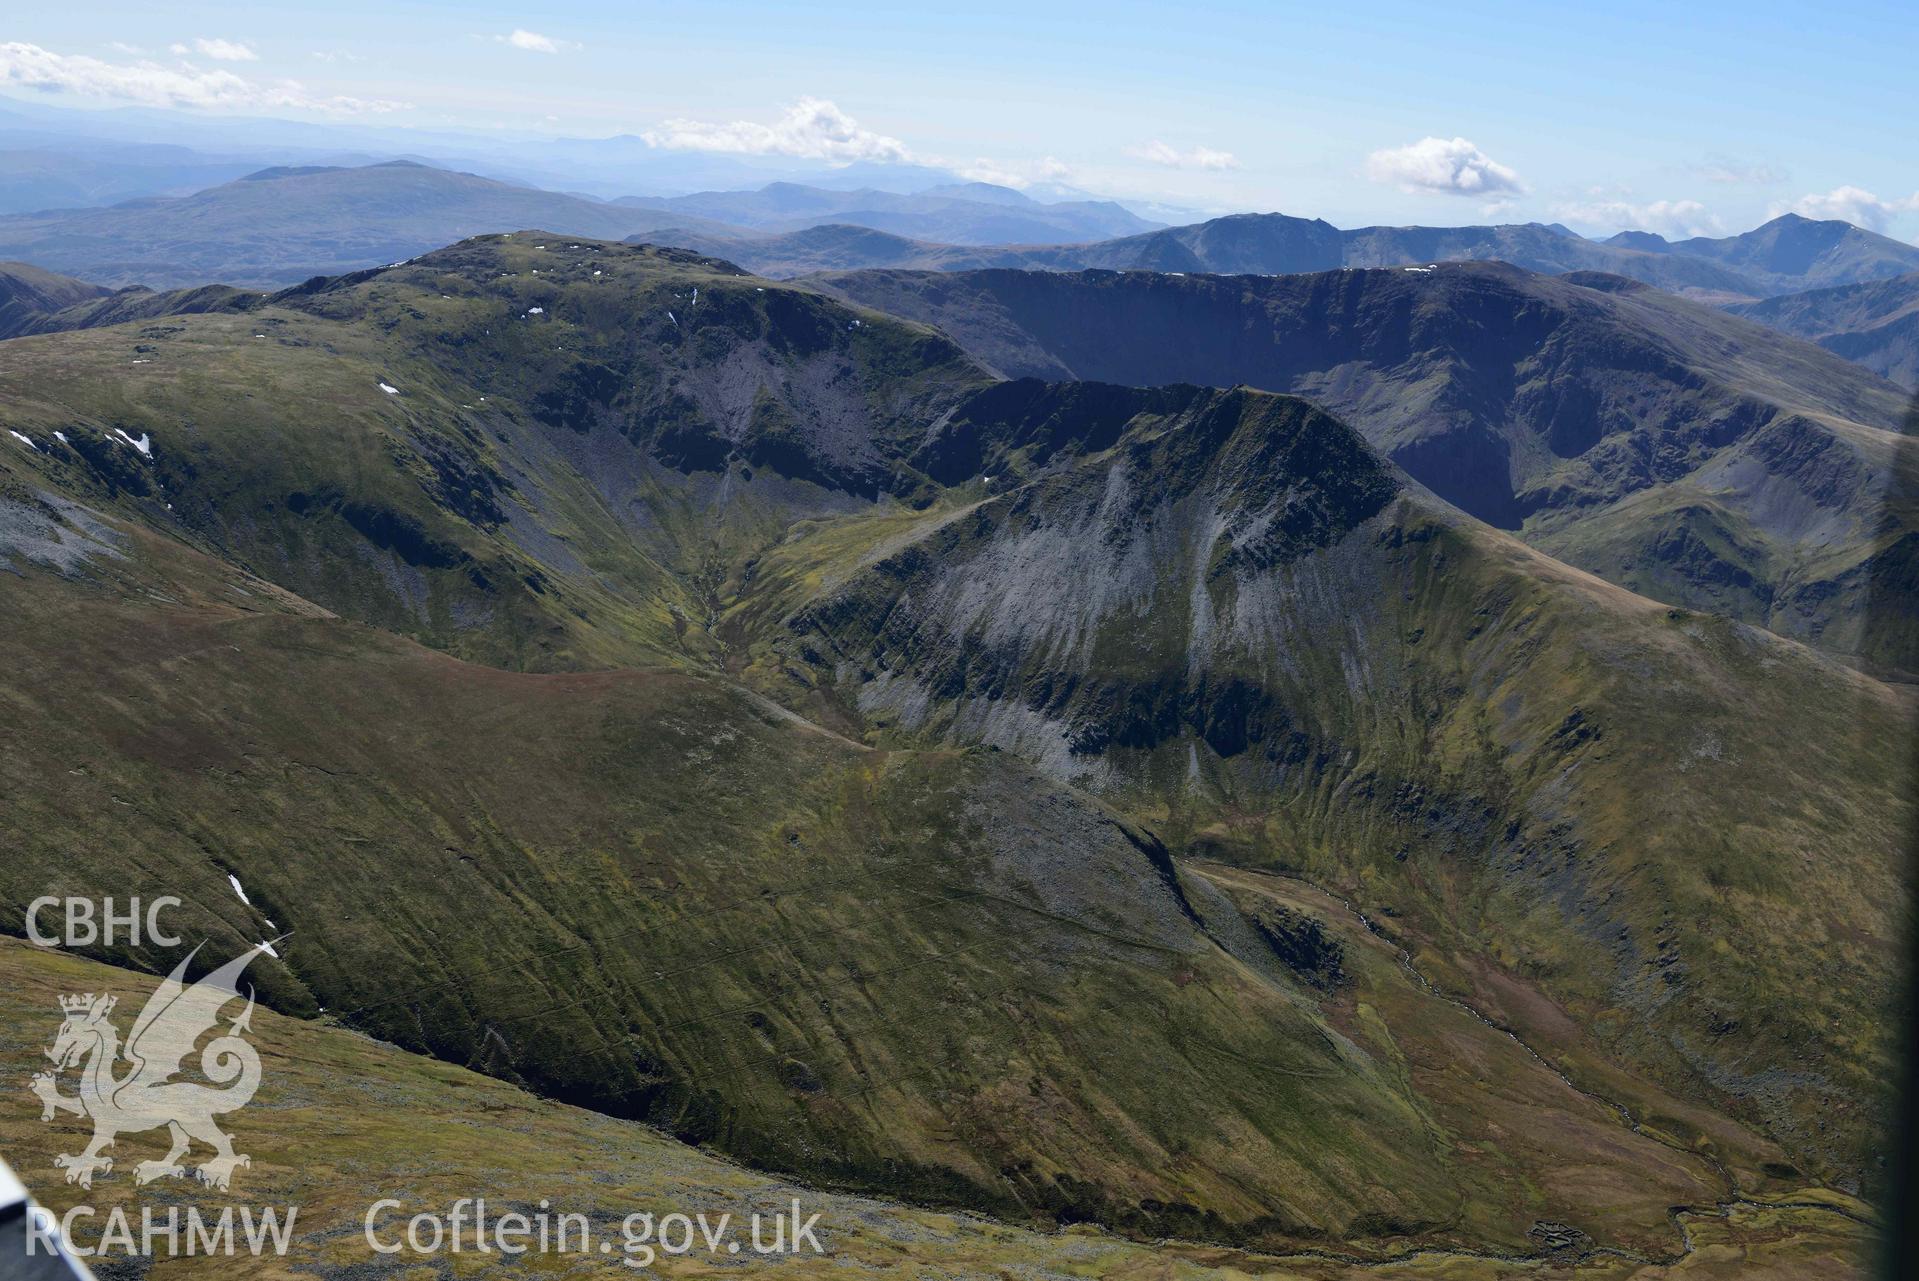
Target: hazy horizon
x=1560 y=118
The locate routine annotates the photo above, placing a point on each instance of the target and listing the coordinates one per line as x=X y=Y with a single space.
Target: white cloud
x=1172 y=157
x=811 y=129
x=223 y=50
x=148 y=84
x=1018 y=174
x=1729 y=173
x=1452 y=167
x=1855 y=205
x=1678 y=218
x=131 y=50
x=533 y=41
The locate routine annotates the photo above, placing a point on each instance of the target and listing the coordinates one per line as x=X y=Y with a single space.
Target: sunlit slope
x=576 y=443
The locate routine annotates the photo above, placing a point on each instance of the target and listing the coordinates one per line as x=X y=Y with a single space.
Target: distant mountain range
x=33 y=179
x=1785 y=255
x=973 y=213
x=1875 y=324
x=282 y=225
x=279 y=225
x=1792 y=253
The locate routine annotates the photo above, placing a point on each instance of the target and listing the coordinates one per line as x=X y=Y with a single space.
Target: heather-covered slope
x=435 y=1133
x=1680 y=452
x=932 y=973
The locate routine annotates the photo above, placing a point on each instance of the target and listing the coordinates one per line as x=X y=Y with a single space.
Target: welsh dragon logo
x=146 y=1096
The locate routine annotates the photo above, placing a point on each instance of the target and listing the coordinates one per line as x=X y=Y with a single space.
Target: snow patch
x=536 y=311
x=389 y=389
x=144 y=444
x=27 y=441
x=234 y=881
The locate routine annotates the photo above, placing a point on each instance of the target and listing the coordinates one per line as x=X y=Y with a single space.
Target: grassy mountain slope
x=1874 y=324
x=279 y=226
x=438 y=1133
x=1670 y=448
x=882 y=954
x=1348 y=685
x=932 y=973
x=551 y=481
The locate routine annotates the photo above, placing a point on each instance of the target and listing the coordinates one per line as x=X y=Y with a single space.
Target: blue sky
x=1697 y=118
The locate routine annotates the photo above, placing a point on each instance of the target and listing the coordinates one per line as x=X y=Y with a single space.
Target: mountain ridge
x=1875 y=324
x=1732 y=269
x=955 y=213
x=1662 y=444
x=296 y=223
